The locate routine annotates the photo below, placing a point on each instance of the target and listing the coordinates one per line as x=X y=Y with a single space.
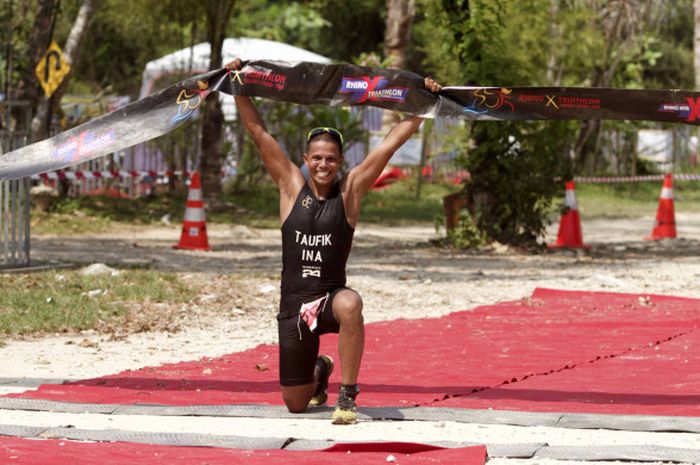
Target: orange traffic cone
x=665 y=224
x=570 y=223
x=194 y=227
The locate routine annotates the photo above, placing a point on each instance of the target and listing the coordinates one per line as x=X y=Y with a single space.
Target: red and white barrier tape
x=73 y=175
x=616 y=179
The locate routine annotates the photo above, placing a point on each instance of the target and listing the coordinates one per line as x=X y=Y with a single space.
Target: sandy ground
x=398 y=274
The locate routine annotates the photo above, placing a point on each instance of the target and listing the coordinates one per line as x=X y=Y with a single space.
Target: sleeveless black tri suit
x=316 y=242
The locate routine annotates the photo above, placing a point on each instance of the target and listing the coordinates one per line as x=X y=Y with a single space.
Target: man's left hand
x=432 y=85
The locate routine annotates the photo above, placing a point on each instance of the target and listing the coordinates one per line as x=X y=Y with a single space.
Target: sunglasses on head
x=333 y=132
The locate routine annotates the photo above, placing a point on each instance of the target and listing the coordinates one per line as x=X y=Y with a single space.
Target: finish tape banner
x=341 y=85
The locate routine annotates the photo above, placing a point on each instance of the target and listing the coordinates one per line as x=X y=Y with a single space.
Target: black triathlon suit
x=316 y=242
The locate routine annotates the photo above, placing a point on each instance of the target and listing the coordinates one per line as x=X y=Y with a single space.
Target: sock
x=350 y=390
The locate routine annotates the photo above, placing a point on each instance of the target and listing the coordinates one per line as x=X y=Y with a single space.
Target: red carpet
x=557 y=351
x=61 y=452
x=659 y=380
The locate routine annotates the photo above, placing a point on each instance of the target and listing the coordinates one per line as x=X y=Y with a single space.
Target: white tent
x=195 y=60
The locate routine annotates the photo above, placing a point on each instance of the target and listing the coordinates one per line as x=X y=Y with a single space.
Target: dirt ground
x=395 y=269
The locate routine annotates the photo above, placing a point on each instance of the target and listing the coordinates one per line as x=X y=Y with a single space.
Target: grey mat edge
x=649 y=423
x=645 y=453
x=38 y=405
x=637 y=453
x=166 y=439
x=516 y=450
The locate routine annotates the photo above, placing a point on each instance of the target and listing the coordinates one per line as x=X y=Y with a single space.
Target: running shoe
x=325 y=368
x=345 y=412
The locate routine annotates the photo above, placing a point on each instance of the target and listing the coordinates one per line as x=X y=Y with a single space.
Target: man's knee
x=347 y=307
x=295 y=403
x=295 y=406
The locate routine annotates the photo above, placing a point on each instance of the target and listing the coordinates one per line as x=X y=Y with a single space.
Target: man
x=318 y=220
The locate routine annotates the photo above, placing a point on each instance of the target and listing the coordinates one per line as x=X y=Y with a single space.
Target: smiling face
x=323 y=158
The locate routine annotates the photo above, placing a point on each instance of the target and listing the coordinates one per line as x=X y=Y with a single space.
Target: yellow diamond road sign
x=51 y=69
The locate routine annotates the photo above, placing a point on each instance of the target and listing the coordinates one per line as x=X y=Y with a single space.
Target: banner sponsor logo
x=188 y=102
x=689 y=111
x=83 y=145
x=551 y=101
x=265 y=78
x=525 y=98
x=556 y=102
x=372 y=89
x=546 y=100
x=579 y=102
x=486 y=100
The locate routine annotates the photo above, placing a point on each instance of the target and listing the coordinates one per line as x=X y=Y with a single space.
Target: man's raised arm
x=283 y=172
x=361 y=178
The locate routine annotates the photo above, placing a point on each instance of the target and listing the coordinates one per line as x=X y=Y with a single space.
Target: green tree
x=512 y=164
x=354 y=28
x=299 y=24
x=619 y=53
x=121 y=45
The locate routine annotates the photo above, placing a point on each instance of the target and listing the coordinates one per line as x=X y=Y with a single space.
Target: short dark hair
x=325 y=133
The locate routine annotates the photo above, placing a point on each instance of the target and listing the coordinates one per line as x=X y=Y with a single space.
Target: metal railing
x=15 y=124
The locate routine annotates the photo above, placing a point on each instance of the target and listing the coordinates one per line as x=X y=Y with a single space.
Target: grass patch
x=92 y=214
x=61 y=301
x=257 y=208
x=66 y=224
x=630 y=200
x=397 y=204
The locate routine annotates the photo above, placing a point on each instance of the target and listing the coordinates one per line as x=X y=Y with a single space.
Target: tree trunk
x=71 y=53
x=36 y=47
x=553 y=75
x=397 y=36
x=424 y=155
x=218 y=14
x=399 y=19
x=587 y=146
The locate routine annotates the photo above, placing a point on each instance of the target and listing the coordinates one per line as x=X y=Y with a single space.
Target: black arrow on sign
x=47 y=63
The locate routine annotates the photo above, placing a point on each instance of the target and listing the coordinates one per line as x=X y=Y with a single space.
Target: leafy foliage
x=512 y=165
x=623 y=43
x=466 y=235
x=119 y=45
x=295 y=23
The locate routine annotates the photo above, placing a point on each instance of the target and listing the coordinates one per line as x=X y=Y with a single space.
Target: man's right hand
x=234 y=65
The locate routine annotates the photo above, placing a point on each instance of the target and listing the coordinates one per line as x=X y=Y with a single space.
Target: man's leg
x=347 y=310
x=298 y=375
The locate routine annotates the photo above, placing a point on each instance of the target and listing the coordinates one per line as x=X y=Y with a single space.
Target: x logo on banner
x=694 y=105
